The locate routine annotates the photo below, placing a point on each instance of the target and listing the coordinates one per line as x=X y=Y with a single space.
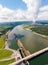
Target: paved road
x=30 y=56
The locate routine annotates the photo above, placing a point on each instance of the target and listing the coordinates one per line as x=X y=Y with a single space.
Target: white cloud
x=4 y=12
x=33 y=11
x=32 y=8
x=43 y=14
x=10 y=15
x=44 y=8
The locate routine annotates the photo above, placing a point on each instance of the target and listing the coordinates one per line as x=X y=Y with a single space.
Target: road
x=31 y=56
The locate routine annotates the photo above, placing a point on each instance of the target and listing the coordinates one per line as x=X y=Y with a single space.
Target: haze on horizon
x=20 y=10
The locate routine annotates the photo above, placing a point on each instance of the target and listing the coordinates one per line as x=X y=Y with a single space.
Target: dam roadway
x=30 y=56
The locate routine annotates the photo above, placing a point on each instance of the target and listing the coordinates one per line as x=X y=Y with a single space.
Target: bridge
x=30 y=56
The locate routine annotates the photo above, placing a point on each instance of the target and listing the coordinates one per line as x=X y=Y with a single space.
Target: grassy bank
x=4 y=54
x=7 y=62
x=26 y=26
x=41 y=29
x=2 y=41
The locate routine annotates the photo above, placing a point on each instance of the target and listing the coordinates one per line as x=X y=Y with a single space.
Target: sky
x=13 y=10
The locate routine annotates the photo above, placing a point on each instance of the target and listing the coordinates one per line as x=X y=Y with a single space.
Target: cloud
x=33 y=8
x=43 y=14
x=33 y=12
x=44 y=8
x=4 y=13
x=7 y=14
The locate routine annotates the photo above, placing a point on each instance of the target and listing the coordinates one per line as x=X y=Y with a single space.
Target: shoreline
x=43 y=36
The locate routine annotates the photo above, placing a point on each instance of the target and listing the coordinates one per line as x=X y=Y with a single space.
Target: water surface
x=31 y=41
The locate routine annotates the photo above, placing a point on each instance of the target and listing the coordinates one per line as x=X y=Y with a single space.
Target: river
x=31 y=41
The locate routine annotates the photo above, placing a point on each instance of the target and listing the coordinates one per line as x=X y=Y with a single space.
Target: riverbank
x=44 y=36
x=40 y=30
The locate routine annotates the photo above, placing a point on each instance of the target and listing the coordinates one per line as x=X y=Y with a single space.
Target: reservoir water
x=31 y=41
x=40 y=60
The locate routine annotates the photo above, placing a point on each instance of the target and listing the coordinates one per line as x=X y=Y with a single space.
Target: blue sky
x=44 y=2
x=14 y=4
x=18 y=4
